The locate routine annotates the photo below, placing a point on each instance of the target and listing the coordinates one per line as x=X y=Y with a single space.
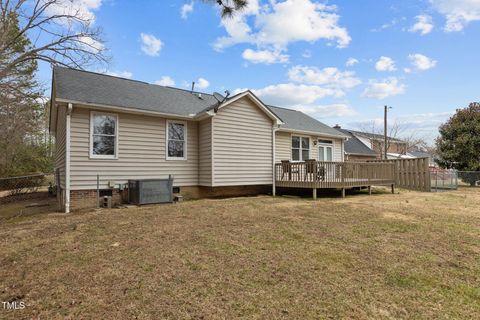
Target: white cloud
x=421 y=62
x=202 y=83
x=385 y=64
x=307 y=54
x=121 y=74
x=389 y=25
x=457 y=12
x=424 y=25
x=165 y=81
x=187 y=8
x=91 y=44
x=351 y=62
x=150 y=44
x=83 y=9
x=264 y=56
x=290 y=94
x=384 y=88
x=277 y=24
x=423 y=125
x=330 y=78
x=327 y=111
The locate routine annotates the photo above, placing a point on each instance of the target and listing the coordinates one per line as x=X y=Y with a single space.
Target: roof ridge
x=133 y=80
x=100 y=74
x=284 y=108
x=181 y=89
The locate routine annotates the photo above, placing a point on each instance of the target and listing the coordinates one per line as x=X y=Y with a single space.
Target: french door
x=325 y=153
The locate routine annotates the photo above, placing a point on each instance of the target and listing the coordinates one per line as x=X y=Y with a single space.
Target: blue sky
x=420 y=57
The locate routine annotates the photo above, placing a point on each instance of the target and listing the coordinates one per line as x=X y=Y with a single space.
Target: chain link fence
x=443 y=179
x=469 y=178
x=12 y=186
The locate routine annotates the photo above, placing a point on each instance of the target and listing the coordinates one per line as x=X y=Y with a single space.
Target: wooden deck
x=333 y=175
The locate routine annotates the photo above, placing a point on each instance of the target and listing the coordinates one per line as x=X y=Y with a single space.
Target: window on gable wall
x=300 y=148
x=176 y=140
x=103 y=135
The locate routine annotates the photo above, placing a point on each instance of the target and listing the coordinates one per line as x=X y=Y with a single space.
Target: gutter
x=313 y=133
x=127 y=110
x=67 y=158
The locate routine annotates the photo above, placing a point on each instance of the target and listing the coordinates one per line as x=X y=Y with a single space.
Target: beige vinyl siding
x=141 y=152
x=242 y=145
x=205 y=152
x=283 y=146
x=60 y=143
x=338 y=150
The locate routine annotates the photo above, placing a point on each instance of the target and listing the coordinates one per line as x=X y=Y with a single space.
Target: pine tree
x=21 y=114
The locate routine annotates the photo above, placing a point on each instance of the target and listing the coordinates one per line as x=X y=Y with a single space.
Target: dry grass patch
x=409 y=255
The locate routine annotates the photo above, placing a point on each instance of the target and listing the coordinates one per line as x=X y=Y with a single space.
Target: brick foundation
x=87 y=199
x=199 y=192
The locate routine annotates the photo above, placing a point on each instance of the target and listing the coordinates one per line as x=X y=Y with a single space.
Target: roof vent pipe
x=193 y=86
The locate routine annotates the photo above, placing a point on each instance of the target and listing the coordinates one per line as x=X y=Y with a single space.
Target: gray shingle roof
x=95 y=88
x=420 y=154
x=296 y=120
x=354 y=146
x=374 y=136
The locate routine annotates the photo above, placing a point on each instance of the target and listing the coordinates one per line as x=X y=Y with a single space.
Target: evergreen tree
x=459 y=143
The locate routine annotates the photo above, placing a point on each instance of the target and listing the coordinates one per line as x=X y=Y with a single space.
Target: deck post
x=370 y=190
x=343 y=192
x=314 y=193
x=393 y=188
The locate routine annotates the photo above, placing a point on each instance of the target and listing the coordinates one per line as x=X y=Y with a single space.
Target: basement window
x=103 y=135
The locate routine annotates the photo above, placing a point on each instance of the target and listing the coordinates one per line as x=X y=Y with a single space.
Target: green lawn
x=409 y=255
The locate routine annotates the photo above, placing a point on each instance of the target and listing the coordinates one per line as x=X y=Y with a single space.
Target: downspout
x=67 y=158
x=274 y=130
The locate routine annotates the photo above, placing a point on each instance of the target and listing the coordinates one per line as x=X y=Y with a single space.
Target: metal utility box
x=150 y=191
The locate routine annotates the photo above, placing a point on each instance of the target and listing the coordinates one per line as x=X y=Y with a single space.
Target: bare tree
x=59 y=32
x=376 y=133
x=229 y=7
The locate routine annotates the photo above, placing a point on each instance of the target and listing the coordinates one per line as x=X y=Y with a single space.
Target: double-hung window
x=176 y=140
x=103 y=135
x=300 y=148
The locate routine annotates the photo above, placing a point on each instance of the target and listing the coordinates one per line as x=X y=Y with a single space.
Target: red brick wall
x=83 y=199
x=352 y=157
x=86 y=199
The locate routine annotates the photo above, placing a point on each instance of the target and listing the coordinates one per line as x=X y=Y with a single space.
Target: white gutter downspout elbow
x=67 y=158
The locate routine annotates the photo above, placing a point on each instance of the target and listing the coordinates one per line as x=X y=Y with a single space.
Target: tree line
x=56 y=32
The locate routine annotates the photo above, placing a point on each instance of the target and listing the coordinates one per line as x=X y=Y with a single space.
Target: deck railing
x=320 y=174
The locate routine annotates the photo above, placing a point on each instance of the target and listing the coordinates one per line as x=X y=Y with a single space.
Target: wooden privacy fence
x=412 y=174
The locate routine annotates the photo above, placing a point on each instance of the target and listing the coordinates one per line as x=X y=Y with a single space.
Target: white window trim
x=117 y=124
x=185 y=136
x=330 y=145
x=309 y=147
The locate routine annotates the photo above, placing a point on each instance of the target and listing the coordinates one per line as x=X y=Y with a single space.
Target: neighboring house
x=355 y=149
x=375 y=142
x=424 y=154
x=121 y=129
